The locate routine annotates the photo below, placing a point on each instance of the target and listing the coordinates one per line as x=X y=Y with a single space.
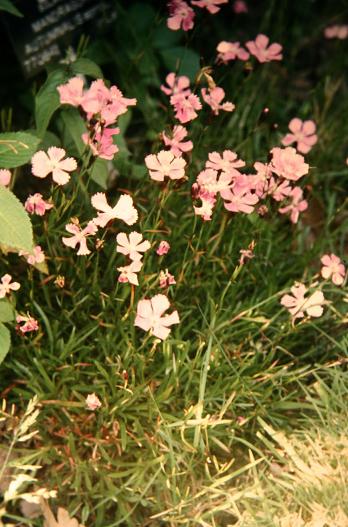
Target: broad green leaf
x=75 y=127
x=100 y=172
x=47 y=100
x=17 y=148
x=5 y=342
x=87 y=67
x=181 y=60
x=6 y=5
x=15 y=226
x=6 y=311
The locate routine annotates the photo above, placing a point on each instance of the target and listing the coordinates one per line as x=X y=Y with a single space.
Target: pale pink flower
x=79 y=237
x=163 y=248
x=287 y=163
x=333 y=268
x=239 y=6
x=227 y=162
x=176 y=143
x=296 y=206
x=181 y=15
x=72 y=91
x=165 y=164
x=102 y=144
x=336 y=31
x=107 y=103
x=166 y=279
x=262 y=178
x=208 y=179
x=298 y=305
x=6 y=285
x=231 y=51
x=211 y=5
x=53 y=162
x=5 y=177
x=93 y=402
x=279 y=191
x=213 y=97
x=239 y=199
x=35 y=204
x=117 y=105
x=30 y=323
x=176 y=84
x=133 y=245
x=123 y=210
x=247 y=254
x=36 y=257
x=259 y=49
x=206 y=209
x=150 y=316
x=303 y=133
x=129 y=272
x=185 y=106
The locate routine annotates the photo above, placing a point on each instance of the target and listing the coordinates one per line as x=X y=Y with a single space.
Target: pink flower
x=231 y=51
x=166 y=279
x=79 y=237
x=36 y=257
x=5 y=177
x=165 y=164
x=298 y=305
x=228 y=162
x=107 y=103
x=129 y=272
x=296 y=206
x=176 y=84
x=208 y=179
x=6 y=286
x=206 y=208
x=181 y=15
x=214 y=98
x=132 y=246
x=303 y=133
x=102 y=144
x=35 y=204
x=53 y=162
x=185 y=106
x=30 y=324
x=261 y=178
x=239 y=6
x=333 y=268
x=211 y=5
x=259 y=49
x=176 y=143
x=123 y=210
x=117 y=105
x=337 y=31
x=239 y=199
x=71 y=92
x=288 y=164
x=163 y=248
x=150 y=316
x=279 y=191
x=93 y=402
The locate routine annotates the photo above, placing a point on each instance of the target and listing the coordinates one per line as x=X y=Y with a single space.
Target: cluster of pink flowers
x=298 y=304
x=181 y=14
x=186 y=103
x=241 y=192
x=132 y=246
x=337 y=31
x=259 y=48
x=102 y=106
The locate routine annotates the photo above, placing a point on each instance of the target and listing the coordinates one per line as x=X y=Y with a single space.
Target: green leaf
x=47 y=100
x=17 y=148
x=100 y=172
x=15 y=226
x=5 y=342
x=75 y=127
x=6 y=5
x=181 y=60
x=87 y=67
x=6 y=311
